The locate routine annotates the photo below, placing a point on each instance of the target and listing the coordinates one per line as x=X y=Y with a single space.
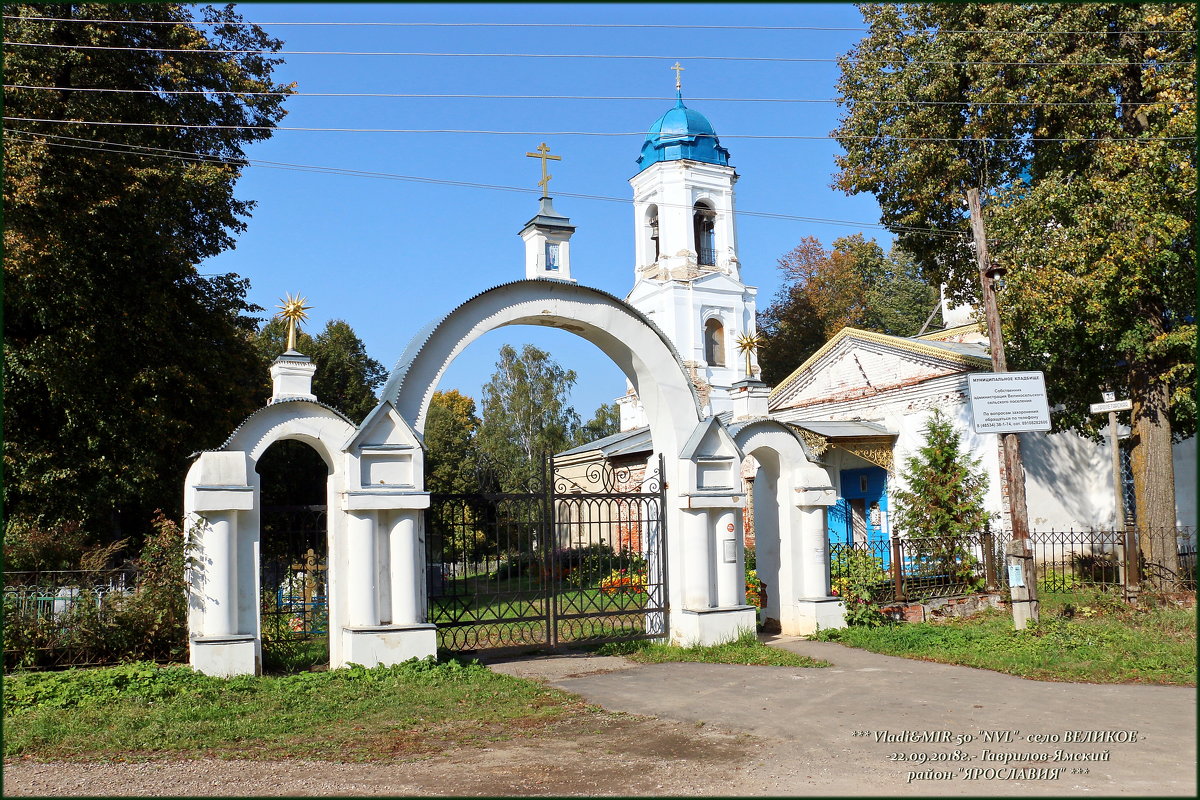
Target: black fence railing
x=51 y=617
x=920 y=569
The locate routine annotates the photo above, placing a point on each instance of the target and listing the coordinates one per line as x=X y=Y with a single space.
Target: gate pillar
x=815 y=607
x=219 y=582
x=714 y=590
x=384 y=619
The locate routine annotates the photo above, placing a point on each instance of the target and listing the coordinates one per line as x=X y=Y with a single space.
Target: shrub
x=859 y=573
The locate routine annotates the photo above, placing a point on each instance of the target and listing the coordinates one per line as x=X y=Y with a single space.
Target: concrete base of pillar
x=224 y=656
x=385 y=645
x=817 y=613
x=712 y=625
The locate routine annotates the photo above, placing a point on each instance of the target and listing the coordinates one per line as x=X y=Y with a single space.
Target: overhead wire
x=624 y=98
x=192 y=156
x=616 y=25
x=466 y=131
x=606 y=56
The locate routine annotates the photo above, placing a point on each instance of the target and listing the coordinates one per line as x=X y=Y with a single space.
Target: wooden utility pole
x=1020 y=554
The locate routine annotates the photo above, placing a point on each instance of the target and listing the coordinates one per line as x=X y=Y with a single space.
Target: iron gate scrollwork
x=579 y=557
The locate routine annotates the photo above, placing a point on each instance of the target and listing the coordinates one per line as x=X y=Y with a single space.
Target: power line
x=191 y=156
x=609 y=56
x=1107 y=101
x=790 y=137
x=617 y=25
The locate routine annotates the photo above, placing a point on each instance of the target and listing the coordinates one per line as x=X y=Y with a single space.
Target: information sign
x=1008 y=402
x=1112 y=405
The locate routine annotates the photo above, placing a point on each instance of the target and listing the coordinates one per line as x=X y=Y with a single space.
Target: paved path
x=833 y=724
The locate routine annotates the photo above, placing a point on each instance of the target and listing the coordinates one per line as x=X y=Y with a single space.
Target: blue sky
x=389 y=256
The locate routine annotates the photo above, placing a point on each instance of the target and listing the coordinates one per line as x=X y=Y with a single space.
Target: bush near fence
x=921 y=569
x=91 y=617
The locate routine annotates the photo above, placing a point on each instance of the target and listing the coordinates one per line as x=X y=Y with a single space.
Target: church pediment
x=858 y=363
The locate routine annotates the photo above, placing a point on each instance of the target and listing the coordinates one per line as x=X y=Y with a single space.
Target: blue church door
x=861 y=514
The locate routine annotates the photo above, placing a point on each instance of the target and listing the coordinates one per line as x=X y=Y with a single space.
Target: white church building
x=861 y=402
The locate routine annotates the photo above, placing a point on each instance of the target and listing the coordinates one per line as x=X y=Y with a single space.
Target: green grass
x=143 y=711
x=1083 y=637
x=745 y=650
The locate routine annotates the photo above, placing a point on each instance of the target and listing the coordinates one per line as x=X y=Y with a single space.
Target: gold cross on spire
x=678 y=69
x=543 y=152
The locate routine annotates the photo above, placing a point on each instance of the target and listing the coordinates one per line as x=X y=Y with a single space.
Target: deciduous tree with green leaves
x=1077 y=125
x=854 y=284
x=450 y=453
x=120 y=358
x=346 y=376
x=605 y=422
x=526 y=414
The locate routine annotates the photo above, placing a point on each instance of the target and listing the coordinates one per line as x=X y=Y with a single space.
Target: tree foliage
x=450 y=454
x=346 y=377
x=605 y=422
x=943 y=487
x=854 y=284
x=940 y=505
x=120 y=359
x=526 y=415
x=1077 y=125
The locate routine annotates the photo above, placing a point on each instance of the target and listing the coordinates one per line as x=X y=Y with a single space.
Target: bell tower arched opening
x=704 y=227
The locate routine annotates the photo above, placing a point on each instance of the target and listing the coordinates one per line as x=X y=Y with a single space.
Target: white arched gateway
x=376 y=490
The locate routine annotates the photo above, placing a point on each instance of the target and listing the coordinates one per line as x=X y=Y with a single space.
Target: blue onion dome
x=682 y=133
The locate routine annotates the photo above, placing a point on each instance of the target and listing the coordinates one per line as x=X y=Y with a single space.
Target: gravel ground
x=709 y=739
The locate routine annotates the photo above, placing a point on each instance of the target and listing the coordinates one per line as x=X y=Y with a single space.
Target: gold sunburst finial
x=747 y=343
x=293 y=312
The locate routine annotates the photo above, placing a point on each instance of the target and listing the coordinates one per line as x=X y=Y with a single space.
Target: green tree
x=450 y=429
x=346 y=377
x=120 y=359
x=526 y=416
x=855 y=284
x=605 y=422
x=1077 y=125
x=941 y=502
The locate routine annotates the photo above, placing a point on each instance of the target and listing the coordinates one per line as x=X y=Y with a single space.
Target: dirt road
x=700 y=729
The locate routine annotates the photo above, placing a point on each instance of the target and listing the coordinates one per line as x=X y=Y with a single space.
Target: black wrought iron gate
x=578 y=557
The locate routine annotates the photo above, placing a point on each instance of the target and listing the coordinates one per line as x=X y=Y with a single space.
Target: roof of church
x=971 y=355
x=682 y=133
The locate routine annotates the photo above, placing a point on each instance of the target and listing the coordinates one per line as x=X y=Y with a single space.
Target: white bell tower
x=547 y=235
x=687 y=278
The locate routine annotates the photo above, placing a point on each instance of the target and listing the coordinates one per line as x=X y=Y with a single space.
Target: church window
x=714 y=343
x=704 y=228
x=551 y=256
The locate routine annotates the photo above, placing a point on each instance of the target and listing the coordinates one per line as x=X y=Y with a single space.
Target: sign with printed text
x=1111 y=405
x=1008 y=402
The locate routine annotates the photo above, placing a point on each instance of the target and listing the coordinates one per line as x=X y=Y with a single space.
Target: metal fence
x=921 y=569
x=51 y=617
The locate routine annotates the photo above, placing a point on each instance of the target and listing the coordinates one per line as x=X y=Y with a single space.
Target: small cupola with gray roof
x=548 y=235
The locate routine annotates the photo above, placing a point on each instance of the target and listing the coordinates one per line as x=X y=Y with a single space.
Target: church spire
x=547 y=235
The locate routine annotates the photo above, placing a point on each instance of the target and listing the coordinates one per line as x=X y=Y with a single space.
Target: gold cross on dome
x=543 y=152
x=678 y=69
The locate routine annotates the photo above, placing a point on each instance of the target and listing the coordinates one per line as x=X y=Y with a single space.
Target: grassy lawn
x=143 y=711
x=747 y=650
x=1082 y=637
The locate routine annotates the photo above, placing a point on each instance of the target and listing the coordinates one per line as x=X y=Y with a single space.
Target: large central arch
x=624 y=334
